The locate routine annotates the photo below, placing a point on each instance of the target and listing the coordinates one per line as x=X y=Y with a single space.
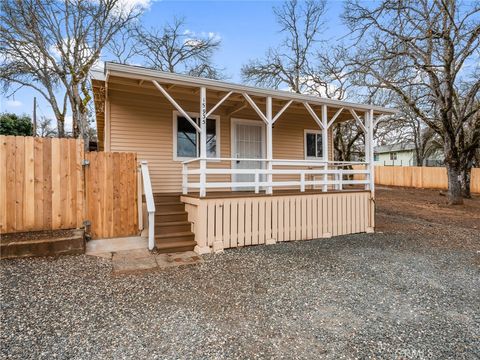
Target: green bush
x=12 y=124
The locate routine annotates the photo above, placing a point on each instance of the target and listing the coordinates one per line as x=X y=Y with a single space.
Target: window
x=393 y=156
x=376 y=157
x=313 y=144
x=187 y=140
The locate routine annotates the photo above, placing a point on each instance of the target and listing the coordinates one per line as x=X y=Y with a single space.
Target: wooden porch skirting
x=235 y=220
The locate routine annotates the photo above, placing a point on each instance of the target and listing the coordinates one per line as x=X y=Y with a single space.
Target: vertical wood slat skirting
x=236 y=222
x=43 y=186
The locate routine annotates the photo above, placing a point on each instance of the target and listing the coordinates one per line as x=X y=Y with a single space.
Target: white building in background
x=403 y=155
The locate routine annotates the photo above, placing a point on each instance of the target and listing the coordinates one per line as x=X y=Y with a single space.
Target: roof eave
x=129 y=71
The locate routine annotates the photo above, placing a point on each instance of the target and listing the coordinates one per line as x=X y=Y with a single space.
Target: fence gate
x=111 y=194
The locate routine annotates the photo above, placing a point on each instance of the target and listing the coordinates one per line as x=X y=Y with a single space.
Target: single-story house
x=226 y=165
x=403 y=154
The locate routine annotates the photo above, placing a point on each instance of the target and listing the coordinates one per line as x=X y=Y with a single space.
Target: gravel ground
x=383 y=295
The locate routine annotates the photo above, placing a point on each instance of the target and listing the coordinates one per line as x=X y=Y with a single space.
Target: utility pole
x=34 y=118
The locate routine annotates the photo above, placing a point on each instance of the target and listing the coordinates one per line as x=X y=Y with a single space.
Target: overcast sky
x=247 y=29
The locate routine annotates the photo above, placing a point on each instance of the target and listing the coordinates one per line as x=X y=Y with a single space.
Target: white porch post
x=371 y=159
x=269 y=143
x=325 y=144
x=203 y=139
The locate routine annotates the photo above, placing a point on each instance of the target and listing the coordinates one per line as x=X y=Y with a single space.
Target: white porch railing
x=330 y=173
x=147 y=191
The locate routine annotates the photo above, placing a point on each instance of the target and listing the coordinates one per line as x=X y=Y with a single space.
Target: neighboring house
x=403 y=155
x=233 y=165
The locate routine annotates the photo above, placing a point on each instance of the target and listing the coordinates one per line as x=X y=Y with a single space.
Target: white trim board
x=175 y=114
x=233 y=122
x=311 y=131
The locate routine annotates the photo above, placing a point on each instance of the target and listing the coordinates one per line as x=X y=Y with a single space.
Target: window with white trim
x=187 y=139
x=313 y=144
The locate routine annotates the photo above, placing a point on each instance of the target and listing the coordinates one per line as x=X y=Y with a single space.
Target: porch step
x=175 y=242
x=169 y=206
x=170 y=227
x=166 y=198
x=169 y=216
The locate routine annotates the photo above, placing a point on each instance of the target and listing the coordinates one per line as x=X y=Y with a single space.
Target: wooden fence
x=44 y=186
x=41 y=184
x=420 y=177
x=111 y=194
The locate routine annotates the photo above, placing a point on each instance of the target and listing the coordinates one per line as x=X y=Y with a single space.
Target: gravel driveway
x=383 y=295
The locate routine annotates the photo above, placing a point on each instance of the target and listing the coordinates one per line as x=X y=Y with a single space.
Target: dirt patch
x=423 y=211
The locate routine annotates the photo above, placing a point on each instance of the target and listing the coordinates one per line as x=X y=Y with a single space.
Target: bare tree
x=51 y=45
x=123 y=48
x=45 y=128
x=426 y=45
x=178 y=50
x=287 y=64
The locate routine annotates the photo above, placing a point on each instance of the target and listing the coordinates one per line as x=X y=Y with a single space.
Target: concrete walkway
x=130 y=255
x=131 y=261
x=105 y=247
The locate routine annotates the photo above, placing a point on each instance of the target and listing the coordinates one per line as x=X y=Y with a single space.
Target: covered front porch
x=246 y=163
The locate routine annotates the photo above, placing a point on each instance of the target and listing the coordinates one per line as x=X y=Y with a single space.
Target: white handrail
x=268 y=171
x=147 y=189
x=319 y=162
x=218 y=185
x=304 y=167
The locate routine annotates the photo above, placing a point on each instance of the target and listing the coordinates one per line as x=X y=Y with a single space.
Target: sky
x=246 y=28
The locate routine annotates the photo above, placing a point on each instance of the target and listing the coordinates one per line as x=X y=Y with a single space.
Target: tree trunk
x=465 y=182
x=85 y=134
x=60 y=127
x=454 y=186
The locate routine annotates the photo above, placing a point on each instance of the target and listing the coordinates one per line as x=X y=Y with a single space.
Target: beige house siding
x=144 y=124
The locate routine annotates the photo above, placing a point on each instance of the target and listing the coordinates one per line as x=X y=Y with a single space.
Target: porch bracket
x=358 y=121
x=282 y=110
x=334 y=117
x=315 y=116
x=255 y=107
x=219 y=103
x=380 y=118
x=175 y=104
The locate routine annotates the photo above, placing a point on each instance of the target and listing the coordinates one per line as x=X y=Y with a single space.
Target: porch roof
x=141 y=79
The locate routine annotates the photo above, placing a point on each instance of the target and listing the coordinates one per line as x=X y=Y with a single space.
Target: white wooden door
x=248 y=143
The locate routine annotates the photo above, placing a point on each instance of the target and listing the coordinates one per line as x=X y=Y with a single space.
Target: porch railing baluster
x=330 y=173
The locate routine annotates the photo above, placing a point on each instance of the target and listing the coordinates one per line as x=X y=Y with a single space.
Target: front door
x=248 y=143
